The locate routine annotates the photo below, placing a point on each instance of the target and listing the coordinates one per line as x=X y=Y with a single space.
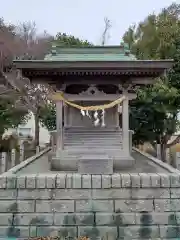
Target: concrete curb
x=23 y=164
x=78 y=181
x=158 y=162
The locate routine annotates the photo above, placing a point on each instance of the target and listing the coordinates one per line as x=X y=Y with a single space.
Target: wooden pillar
x=3 y=163
x=158 y=149
x=117 y=116
x=13 y=157
x=59 y=127
x=130 y=140
x=21 y=151
x=177 y=161
x=125 y=125
x=37 y=149
x=65 y=109
x=53 y=141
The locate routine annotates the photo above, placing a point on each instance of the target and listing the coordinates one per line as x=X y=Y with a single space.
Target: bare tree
x=22 y=42
x=8 y=43
x=105 y=35
x=33 y=96
x=27 y=31
x=38 y=97
x=33 y=45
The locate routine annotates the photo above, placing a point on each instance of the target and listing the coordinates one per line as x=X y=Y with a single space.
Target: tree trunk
x=36 y=138
x=164 y=141
x=173 y=162
x=163 y=152
x=174 y=142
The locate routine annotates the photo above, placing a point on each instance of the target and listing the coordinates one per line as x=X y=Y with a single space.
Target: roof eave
x=45 y=64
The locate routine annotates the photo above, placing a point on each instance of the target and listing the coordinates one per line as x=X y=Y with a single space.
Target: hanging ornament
x=119 y=109
x=95 y=114
x=103 y=118
x=83 y=112
x=96 y=122
x=87 y=114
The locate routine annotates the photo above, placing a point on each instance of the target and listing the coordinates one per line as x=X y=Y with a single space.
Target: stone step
x=87 y=140
x=83 y=149
x=92 y=147
x=101 y=132
x=90 y=138
x=92 y=144
x=79 y=153
x=82 y=156
x=89 y=151
x=92 y=129
x=94 y=132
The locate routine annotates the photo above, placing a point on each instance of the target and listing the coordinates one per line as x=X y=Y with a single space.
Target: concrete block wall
x=123 y=206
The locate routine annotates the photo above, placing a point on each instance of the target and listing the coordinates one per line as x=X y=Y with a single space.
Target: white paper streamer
x=103 y=119
x=96 y=122
x=95 y=114
x=87 y=114
x=83 y=112
x=96 y=117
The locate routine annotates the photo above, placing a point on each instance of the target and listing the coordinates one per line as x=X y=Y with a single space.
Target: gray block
x=94 y=206
x=95 y=165
x=134 y=205
x=54 y=206
x=97 y=232
x=53 y=231
x=139 y=232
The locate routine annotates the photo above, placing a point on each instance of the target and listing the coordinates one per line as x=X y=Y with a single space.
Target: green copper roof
x=93 y=53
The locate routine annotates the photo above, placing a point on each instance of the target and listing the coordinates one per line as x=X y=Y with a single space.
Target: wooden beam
x=106 y=97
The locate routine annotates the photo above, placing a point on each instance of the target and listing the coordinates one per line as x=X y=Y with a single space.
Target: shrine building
x=107 y=77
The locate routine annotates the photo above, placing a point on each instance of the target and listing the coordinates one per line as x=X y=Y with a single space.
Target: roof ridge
x=120 y=52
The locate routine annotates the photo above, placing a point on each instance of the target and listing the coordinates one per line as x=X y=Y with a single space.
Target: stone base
x=77 y=163
x=123 y=162
x=95 y=165
x=59 y=164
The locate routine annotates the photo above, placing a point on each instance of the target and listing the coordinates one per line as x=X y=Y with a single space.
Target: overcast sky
x=81 y=18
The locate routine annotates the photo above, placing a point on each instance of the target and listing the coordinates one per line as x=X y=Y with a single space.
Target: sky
x=81 y=18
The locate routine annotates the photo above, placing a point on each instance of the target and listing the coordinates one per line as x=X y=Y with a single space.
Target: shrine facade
x=92 y=76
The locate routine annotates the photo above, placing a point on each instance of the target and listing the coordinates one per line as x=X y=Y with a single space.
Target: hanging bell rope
x=59 y=96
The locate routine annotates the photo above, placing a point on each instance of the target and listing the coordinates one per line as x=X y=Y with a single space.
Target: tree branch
x=175 y=141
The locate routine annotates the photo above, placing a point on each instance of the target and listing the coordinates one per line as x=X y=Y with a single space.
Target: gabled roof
x=96 y=60
x=92 y=53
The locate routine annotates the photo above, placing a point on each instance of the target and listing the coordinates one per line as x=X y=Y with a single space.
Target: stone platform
x=142 y=164
x=93 y=145
x=73 y=161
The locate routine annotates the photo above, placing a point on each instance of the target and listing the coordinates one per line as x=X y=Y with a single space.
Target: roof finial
x=125 y=47
x=53 y=49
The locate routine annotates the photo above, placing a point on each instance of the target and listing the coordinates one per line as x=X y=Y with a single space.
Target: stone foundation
x=71 y=162
x=127 y=206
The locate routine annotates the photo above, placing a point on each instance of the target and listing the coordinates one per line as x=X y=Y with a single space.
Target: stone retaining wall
x=127 y=206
